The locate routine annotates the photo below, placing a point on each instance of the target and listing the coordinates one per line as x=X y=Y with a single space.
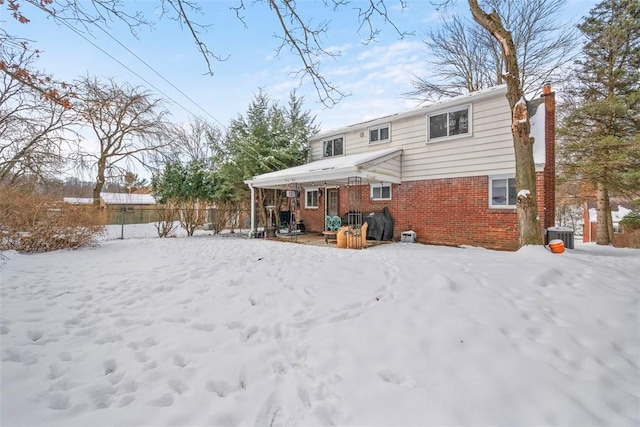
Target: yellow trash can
x=341 y=237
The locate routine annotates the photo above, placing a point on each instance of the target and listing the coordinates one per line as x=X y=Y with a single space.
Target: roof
x=616 y=214
x=333 y=170
x=127 y=199
x=78 y=200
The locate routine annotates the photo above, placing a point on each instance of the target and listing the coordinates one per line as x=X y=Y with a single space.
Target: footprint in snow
x=163 y=401
x=115 y=378
x=207 y=327
x=222 y=388
x=235 y=325
x=249 y=332
x=180 y=361
x=35 y=335
x=58 y=401
x=110 y=366
x=178 y=386
x=126 y=400
x=55 y=372
x=394 y=378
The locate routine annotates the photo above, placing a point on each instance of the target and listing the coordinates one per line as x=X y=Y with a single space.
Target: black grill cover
x=380 y=225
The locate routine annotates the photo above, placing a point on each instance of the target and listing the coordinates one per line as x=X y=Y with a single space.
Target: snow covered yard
x=222 y=331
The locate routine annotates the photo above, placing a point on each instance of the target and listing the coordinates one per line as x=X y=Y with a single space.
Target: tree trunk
x=530 y=231
x=261 y=210
x=97 y=188
x=604 y=235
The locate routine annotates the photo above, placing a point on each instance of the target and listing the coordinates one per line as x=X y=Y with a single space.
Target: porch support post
x=252 y=232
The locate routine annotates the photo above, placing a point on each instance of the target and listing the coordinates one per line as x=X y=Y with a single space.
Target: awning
x=371 y=167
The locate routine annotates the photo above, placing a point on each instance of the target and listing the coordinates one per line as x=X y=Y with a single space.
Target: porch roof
x=371 y=166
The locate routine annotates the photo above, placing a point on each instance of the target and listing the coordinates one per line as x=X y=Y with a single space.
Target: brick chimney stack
x=550 y=155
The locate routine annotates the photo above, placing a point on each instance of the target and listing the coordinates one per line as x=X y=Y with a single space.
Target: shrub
x=37 y=223
x=631 y=221
x=166 y=224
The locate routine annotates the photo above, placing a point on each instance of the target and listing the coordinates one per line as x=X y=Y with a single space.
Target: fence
x=131 y=215
x=148 y=221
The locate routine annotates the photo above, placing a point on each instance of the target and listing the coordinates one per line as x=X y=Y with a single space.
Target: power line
x=119 y=62
x=76 y=31
x=162 y=77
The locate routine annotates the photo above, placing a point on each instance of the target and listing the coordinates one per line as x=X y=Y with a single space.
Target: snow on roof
x=337 y=162
x=616 y=216
x=330 y=168
x=78 y=200
x=127 y=199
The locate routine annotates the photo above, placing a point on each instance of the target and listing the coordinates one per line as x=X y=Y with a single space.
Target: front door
x=332 y=201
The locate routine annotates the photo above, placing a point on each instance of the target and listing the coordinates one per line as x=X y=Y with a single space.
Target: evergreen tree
x=601 y=128
x=190 y=189
x=269 y=138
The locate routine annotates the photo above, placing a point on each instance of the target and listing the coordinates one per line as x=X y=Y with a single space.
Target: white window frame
x=380 y=186
x=447 y=137
x=332 y=140
x=378 y=129
x=500 y=178
x=306 y=198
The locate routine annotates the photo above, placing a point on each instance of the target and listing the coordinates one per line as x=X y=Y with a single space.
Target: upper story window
x=381 y=191
x=311 y=198
x=379 y=134
x=333 y=147
x=450 y=123
x=502 y=192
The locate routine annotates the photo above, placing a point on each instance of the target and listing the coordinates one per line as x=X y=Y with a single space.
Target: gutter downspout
x=253 y=212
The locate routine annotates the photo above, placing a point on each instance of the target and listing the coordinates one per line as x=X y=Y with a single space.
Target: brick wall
x=313 y=218
x=548 y=208
x=443 y=212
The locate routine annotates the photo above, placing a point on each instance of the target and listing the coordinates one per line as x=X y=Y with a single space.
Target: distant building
x=618 y=211
x=130 y=208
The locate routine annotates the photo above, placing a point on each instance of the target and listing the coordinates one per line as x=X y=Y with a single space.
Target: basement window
x=381 y=191
x=502 y=192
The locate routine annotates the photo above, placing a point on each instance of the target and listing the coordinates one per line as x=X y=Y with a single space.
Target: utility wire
x=162 y=77
x=79 y=33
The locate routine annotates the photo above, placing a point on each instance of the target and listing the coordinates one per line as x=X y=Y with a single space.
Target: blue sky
x=376 y=75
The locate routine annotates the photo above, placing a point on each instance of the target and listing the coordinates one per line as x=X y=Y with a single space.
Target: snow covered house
x=444 y=171
x=619 y=209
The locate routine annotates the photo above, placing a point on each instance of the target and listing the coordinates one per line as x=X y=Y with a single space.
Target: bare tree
x=34 y=127
x=528 y=219
x=196 y=140
x=460 y=54
x=300 y=34
x=466 y=58
x=128 y=124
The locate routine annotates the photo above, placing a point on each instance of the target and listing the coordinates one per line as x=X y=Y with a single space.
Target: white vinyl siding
x=488 y=152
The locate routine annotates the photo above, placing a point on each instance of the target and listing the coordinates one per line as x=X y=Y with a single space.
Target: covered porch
x=332 y=187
